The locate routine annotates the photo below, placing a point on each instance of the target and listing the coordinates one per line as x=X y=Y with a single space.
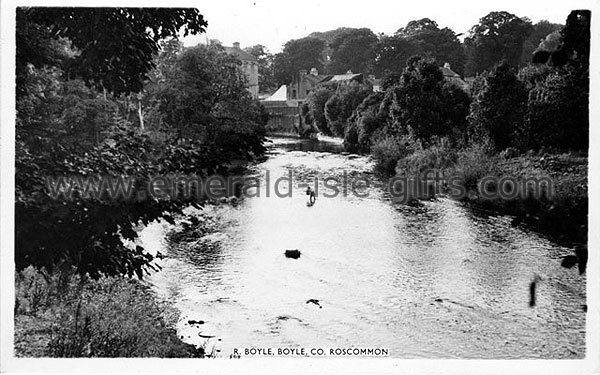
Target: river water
x=434 y=280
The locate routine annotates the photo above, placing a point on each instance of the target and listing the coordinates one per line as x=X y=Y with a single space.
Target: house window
x=307 y=92
x=294 y=94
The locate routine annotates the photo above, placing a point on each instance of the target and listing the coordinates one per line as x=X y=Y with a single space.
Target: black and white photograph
x=300 y=187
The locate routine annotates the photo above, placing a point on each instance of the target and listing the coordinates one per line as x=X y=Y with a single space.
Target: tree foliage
x=341 y=105
x=266 y=79
x=498 y=36
x=499 y=106
x=423 y=104
x=305 y=53
x=558 y=113
x=540 y=32
x=70 y=126
x=353 y=50
x=391 y=55
x=315 y=102
x=429 y=40
x=204 y=98
x=119 y=57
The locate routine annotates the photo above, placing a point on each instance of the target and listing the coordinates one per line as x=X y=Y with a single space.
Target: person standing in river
x=311 y=196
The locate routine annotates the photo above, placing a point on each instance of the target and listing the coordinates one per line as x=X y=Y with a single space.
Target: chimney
x=314 y=72
x=447 y=65
x=236 y=45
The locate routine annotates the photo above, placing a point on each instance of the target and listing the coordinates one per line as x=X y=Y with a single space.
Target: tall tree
x=266 y=78
x=499 y=106
x=354 y=50
x=391 y=54
x=429 y=40
x=498 y=36
x=115 y=46
x=539 y=33
x=423 y=104
x=297 y=54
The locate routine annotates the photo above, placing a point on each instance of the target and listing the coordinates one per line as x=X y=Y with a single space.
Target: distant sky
x=272 y=23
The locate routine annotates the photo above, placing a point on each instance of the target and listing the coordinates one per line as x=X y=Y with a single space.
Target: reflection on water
x=434 y=281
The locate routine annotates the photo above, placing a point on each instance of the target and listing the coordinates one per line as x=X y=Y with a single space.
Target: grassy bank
x=562 y=215
x=64 y=315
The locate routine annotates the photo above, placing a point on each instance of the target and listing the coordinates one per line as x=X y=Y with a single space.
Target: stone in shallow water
x=294 y=254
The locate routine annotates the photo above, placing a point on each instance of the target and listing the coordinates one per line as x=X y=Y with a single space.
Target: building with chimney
x=249 y=67
x=304 y=83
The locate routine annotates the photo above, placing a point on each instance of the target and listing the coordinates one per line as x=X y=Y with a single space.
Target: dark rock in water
x=192 y=322
x=516 y=221
x=580 y=258
x=294 y=254
x=439 y=300
x=569 y=261
x=206 y=336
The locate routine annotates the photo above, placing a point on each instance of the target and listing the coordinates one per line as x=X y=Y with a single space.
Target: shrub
x=79 y=317
x=341 y=105
x=440 y=156
x=388 y=150
x=364 y=122
x=316 y=107
x=473 y=163
x=558 y=113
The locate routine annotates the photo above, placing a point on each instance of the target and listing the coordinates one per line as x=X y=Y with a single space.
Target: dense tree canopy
x=204 y=97
x=540 y=31
x=423 y=104
x=499 y=105
x=353 y=50
x=431 y=41
x=82 y=168
x=305 y=53
x=498 y=36
x=392 y=52
x=114 y=47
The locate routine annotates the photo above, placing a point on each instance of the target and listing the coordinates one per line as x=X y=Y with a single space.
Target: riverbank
x=562 y=216
x=63 y=315
x=561 y=213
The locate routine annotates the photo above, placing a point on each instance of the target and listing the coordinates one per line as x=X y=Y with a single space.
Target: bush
x=440 y=156
x=316 y=107
x=473 y=163
x=363 y=123
x=71 y=316
x=341 y=105
x=388 y=150
x=558 y=113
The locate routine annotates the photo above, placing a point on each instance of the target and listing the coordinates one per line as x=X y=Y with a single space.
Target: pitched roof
x=449 y=73
x=342 y=77
x=280 y=94
x=240 y=54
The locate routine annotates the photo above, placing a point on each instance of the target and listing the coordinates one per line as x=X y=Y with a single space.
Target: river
x=434 y=280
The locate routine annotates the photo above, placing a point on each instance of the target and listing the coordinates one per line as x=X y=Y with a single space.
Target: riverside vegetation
x=134 y=102
x=127 y=102
x=527 y=122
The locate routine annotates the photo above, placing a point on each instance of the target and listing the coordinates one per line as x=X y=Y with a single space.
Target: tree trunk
x=140 y=114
